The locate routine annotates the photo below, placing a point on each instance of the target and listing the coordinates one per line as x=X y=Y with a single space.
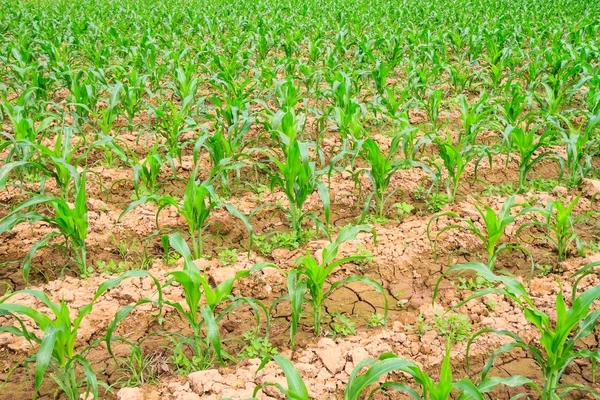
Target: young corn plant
x=511 y=107
x=348 y=113
x=473 y=118
x=557 y=347
x=105 y=117
x=285 y=127
x=199 y=200
x=554 y=98
x=51 y=162
x=527 y=143
x=113 y=150
x=146 y=173
x=382 y=168
x=61 y=160
x=493 y=228
x=557 y=223
x=234 y=128
x=27 y=118
x=185 y=84
x=443 y=387
x=84 y=94
x=71 y=220
x=593 y=99
x=233 y=106
x=432 y=105
x=173 y=120
x=379 y=74
x=296 y=388
x=412 y=146
x=350 y=123
x=201 y=313
x=225 y=154
x=391 y=103
x=133 y=90
x=57 y=346
x=298 y=177
x=454 y=160
x=306 y=281
x=461 y=77
x=580 y=148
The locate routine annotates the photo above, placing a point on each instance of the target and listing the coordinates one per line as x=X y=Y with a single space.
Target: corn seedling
x=198 y=201
x=146 y=173
x=298 y=177
x=473 y=118
x=382 y=168
x=454 y=160
x=202 y=301
x=580 y=148
x=557 y=222
x=557 y=347
x=431 y=388
x=306 y=281
x=494 y=225
x=71 y=220
x=296 y=388
x=57 y=347
x=527 y=143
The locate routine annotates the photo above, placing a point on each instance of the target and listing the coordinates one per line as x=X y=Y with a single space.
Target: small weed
x=373 y=219
x=184 y=364
x=171 y=257
x=139 y=368
x=260 y=191
x=265 y=244
x=112 y=268
x=122 y=248
x=593 y=246
x=434 y=201
x=257 y=347
x=342 y=326
x=227 y=256
x=545 y=270
x=500 y=189
x=420 y=327
x=542 y=185
x=376 y=320
x=400 y=302
x=473 y=284
x=363 y=264
x=402 y=210
x=491 y=305
x=455 y=327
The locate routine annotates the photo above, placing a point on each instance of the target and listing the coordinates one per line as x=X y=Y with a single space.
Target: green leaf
x=44 y=354
x=296 y=389
x=212 y=330
x=242 y=217
x=37 y=245
x=348 y=233
x=90 y=375
x=379 y=367
x=324 y=195
x=466 y=386
x=296 y=290
x=490 y=384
